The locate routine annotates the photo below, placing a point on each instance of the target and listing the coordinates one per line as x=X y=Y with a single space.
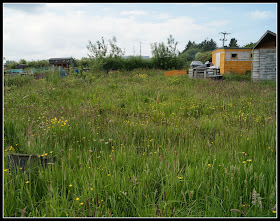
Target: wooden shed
x=238 y=60
x=61 y=62
x=264 y=58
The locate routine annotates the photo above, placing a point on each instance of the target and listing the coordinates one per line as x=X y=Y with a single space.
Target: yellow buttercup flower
x=180 y=178
x=70 y=185
x=27 y=182
x=77 y=198
x=81 y=204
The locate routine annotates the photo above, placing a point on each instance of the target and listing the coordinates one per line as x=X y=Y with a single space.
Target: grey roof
x=57 y=59
x=232 y=48
x=264 y=37
x=67 y=60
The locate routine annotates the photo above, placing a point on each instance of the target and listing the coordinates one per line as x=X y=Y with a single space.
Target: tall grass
x=138 y=144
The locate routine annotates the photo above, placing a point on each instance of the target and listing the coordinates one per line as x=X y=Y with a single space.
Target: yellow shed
x=238 y=60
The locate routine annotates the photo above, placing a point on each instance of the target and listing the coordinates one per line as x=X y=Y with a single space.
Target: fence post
x=205 y=72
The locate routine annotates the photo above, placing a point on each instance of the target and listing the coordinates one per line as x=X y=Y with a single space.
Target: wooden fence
x=175 y=73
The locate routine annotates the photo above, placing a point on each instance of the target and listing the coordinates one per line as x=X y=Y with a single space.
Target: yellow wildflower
x=249 y=160
x=81 y=204
x=70 y=185
x=27 y=181
x=77 y=198
x=5 y=170
x=274 y=211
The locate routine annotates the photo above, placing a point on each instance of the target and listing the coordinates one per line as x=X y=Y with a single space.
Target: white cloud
x=48 y=34
x=258 y=15
x=133 y=12
x=63 y=31
x=162 y=15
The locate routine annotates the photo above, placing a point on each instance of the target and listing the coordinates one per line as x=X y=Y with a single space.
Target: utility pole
x=140 y=48
x=224 y=33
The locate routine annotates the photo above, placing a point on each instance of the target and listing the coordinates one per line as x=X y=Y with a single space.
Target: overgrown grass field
x=139 y=144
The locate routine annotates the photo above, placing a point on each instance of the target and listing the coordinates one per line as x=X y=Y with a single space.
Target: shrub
x=17 y=80
x=238 y=77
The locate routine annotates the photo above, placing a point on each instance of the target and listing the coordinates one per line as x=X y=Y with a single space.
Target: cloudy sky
x=47 y=30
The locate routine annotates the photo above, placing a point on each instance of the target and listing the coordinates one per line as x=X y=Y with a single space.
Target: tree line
x=109 y=56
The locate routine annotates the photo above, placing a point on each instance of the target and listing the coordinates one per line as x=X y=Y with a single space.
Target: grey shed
x=264 y=58
x=62 y=62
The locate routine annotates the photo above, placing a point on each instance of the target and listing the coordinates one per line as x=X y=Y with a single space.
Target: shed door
x=218 y=60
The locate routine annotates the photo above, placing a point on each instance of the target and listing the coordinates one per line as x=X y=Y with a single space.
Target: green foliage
x=38 y=64
x=11 y=64
x=238 y=77
x=134 y=62
x=22 y=61
x=249 y=45
x=207 y=45
x=104 y=56
x=201 y=51
x=166 y=56
x=17 y=80
x=203 y=56
x=53 y=76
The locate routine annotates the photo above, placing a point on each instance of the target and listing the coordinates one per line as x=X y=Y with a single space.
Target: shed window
x=234 y=56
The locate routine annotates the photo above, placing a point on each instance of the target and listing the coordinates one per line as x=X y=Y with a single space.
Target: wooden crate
x=25 y=161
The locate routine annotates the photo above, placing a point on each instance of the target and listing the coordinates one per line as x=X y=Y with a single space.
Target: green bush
x=17 y=80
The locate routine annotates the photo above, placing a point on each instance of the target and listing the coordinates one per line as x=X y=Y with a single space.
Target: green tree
x=166 y=56
x=207 y=45
x=11 y=64
x=104 y=56
x=233 y=43
x=189 y=46
x=22 y=61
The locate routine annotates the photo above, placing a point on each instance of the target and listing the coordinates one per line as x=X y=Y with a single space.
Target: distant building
x=61 y=62
x=264 y=58
x=21 y=66
x=238 y=60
